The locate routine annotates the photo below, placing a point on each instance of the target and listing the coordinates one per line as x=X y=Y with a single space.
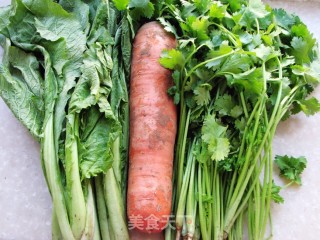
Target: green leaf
x=265 y=53
x=202 y=5
x=4 y=17
x=172 y=59
x=218 y=10
x=214 y=135
x=236 y=63
x=96 y=150
x=283 y=18
x=199 y=26
x=169 y=28
x=291 y=167
x=257 y=8
x=300 y=50
x=145 y=11
x=202 y=94
x=219 y=148
x=65 y=49
x=309 y=106
x=121 y=4
x=226 y=106
x=310 y=72
x=138 y=3
x=80 y=9
x=275 y=190
x=21 y=89
x=251 y=81
x=217 y=56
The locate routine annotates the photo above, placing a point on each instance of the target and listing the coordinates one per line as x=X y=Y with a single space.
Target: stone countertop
x=25 y=204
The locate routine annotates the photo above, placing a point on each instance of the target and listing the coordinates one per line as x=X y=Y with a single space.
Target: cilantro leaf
x=172 y=59
x=168 y=27
x=138 y=3
x=144 y=9
x=300 y=50
x=291 y=167
x=219 y=148
x=257 y=8
x=310 y=72
x=202 y=94
x=199 y=26
x=275 y=190
x=309 y=106
x=283 y=19
x=202 y=5
x=265 y=53
x=226 y=106
x=218 y=10
x=121 y=4
x=236 y=63
x=214 y=135
x=251 y=80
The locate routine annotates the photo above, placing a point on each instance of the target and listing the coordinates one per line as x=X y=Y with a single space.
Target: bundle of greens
x=240 y=68
x=63 y=75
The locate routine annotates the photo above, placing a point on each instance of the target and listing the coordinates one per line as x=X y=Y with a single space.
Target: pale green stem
x=115 y=207
x=53 y=176
x=102 y=209
x=77 y=204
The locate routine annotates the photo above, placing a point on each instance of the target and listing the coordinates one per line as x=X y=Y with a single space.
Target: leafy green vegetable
x=291 y=167
x=239 y=69
x=275 y=190
x=64 y=76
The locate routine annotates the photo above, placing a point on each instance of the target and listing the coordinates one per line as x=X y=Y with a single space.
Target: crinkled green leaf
x=22 y=89
x=96 y=151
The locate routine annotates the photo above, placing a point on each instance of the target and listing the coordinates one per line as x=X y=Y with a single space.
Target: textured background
x=25 y=205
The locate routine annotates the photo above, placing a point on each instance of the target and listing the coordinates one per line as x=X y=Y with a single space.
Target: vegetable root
x=153 y=127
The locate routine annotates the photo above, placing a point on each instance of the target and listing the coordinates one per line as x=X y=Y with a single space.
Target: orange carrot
x=153 y=127
x=137 y=235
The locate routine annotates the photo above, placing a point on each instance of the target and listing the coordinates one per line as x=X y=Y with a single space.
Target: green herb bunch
x=239 y=69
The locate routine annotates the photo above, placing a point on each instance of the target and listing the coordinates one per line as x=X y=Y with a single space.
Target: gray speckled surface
x=25 y=205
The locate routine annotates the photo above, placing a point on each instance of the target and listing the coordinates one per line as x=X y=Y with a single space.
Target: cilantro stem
x=184 y=189
x=204 y=63
x=231 y=36
x=184 y=125
x=244 y=105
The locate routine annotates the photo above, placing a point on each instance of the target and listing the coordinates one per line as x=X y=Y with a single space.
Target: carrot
x=153 y=127
x=137 y=235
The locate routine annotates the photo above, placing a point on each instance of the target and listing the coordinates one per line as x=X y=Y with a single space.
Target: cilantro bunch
x=239 y=69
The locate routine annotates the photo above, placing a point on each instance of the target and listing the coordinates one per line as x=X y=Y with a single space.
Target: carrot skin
x=153 y=127
x=138 y=235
